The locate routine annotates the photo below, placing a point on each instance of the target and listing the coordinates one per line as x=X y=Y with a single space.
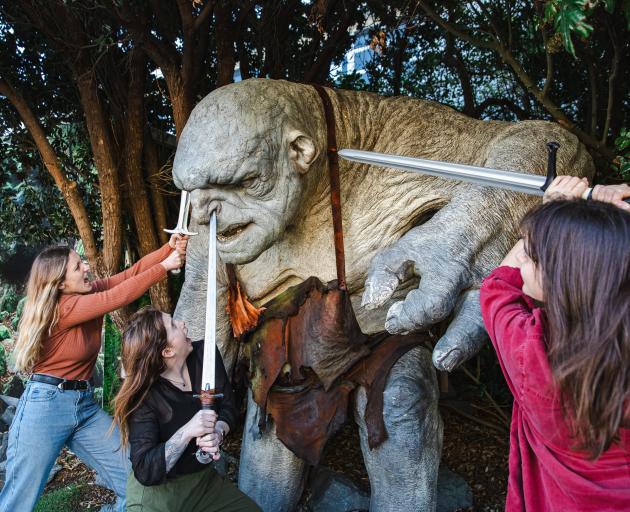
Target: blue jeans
x=46 y=419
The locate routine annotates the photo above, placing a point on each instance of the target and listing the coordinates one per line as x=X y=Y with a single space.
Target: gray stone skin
x=417 y=247
x=403 y=470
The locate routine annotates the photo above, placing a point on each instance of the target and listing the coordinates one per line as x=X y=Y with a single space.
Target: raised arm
x=177 y=242
x=76 y=309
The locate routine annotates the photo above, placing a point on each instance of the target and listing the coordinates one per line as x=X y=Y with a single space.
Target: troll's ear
x=302 y=151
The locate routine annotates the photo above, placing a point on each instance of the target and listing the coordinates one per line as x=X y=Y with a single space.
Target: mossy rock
x=18 y=313
x=4 y=315
x=5 y=332
x=9 y=299
x=3 y=360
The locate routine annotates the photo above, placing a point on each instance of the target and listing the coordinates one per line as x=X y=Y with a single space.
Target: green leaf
x=609 y=5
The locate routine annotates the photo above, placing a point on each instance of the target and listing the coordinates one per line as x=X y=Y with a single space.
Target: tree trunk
x=138 y=199
x=152 y=165
x=224 y=31
x=100 y=141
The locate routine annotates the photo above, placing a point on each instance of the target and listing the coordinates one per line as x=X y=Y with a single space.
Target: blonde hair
x=40 y=309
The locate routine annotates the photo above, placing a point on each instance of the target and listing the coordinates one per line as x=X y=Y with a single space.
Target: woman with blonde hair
x=58 y=343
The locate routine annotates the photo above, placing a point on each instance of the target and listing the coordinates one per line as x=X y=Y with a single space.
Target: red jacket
x=545 y=473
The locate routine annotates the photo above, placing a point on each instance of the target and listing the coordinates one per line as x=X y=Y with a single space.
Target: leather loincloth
x=307 y=355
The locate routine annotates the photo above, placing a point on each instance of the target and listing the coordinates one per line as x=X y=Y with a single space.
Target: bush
x=8 y=298
x=18 y=313
x=5 y=333
x=111 y=381
x=3 y=360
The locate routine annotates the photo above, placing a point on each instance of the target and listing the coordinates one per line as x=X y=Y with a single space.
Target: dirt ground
x=475 y=447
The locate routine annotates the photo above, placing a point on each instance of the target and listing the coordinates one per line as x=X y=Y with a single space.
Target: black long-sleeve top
x=164 y=411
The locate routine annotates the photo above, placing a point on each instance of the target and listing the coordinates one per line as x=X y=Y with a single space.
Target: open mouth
x=233 y=232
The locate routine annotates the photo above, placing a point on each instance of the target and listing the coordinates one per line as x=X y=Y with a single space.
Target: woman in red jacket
x=558 y=315
x=58 y=343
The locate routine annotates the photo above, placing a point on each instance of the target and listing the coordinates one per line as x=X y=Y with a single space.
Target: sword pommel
x=552 y=150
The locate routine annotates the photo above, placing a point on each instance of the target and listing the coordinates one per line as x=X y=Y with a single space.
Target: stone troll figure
x=416 y=249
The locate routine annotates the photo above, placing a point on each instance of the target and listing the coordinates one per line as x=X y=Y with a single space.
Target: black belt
x=62 y=384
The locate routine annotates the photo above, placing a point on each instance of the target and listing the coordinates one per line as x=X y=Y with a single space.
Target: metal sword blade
x=519 y=182
x=210 y=341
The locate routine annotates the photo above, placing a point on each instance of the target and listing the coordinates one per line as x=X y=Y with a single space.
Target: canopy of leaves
x=560 y=60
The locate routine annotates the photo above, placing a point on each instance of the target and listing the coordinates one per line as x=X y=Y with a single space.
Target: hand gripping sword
x=182 y=220
x=517 y=181
x=208 y=396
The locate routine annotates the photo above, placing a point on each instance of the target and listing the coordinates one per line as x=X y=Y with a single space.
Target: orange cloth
x=71 y=350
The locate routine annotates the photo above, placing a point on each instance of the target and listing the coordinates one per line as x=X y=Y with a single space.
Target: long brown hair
x=143 y=340
x=40 y=312
x=582 y=250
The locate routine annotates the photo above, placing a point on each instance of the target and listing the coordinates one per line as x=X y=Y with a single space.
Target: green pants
x=205 y=491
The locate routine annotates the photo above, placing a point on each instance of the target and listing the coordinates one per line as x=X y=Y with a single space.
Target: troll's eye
x=249 y=182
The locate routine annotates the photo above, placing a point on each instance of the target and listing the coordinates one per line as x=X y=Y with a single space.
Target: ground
x=475 y=447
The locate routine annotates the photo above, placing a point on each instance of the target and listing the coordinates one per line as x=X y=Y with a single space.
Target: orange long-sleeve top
x=71 y=350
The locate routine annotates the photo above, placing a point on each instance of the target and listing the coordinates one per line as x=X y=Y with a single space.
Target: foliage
x=32 y=209
x=64 y=499
x=570 y=16
x=9 y=298
x=18 y=313
x=111 y=379
x=3 y=359
x=622 y=162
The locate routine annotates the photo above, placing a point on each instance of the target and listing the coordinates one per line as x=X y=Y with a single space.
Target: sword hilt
x=552 y=150
x=208 y=399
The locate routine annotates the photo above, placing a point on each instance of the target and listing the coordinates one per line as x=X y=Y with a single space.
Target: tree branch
x=526 y=80
x=614 y=67
x=504 y=103
x=458 y=31
x=204 y=15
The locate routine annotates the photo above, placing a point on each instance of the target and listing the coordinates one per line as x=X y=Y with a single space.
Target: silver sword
x=182 y=220
x=519 y=182
x=208 y=395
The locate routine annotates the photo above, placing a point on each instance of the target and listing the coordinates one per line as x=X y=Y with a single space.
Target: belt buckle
x=61 y=384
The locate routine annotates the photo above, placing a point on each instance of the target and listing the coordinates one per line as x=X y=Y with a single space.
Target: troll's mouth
x=233 y=232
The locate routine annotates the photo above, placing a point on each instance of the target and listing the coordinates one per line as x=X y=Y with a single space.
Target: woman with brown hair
x=158 y=412
x=58 y=343
x=558 y=315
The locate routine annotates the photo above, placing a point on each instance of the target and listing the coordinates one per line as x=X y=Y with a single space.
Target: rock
x=5 y=332
x=333 y=492
x=13 y=387
x=9 y=400
x=453 y=491
x=55 y=469
x=3 y=358
x=4 y=315
x=18 y=313
x=7 y=415
x=97 y=376
x=3 y=468
x=4 y=441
